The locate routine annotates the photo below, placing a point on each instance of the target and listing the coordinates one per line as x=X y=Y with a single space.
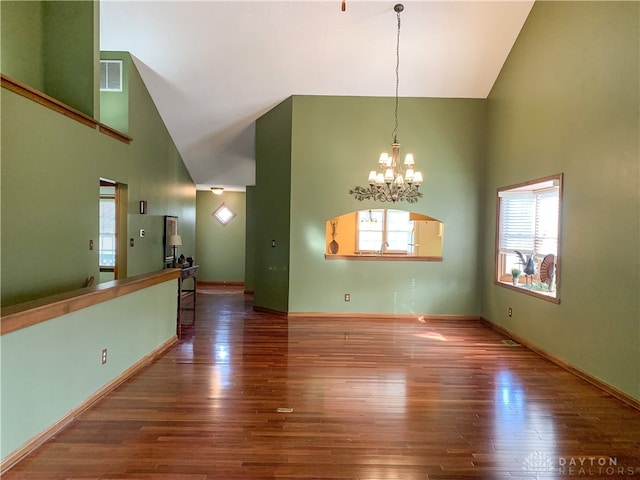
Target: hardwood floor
x=368 y=399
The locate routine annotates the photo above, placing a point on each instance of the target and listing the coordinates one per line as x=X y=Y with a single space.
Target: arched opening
x=384 y=234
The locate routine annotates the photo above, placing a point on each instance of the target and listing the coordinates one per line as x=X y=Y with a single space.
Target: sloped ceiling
x=214 y=67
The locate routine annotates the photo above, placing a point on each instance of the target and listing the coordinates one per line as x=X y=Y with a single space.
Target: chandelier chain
x=395 y=130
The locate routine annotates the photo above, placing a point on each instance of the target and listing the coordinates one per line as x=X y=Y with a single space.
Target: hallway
x=248 y=395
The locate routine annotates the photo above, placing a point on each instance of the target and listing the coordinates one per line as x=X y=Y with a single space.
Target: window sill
x=521 y=288
x=385 y=257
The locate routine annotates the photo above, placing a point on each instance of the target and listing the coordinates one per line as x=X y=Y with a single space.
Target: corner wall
x=21 y=38
x=567 y=100
x=271 y=203
x=69 y=53
x=250 y=240
x=52 y=46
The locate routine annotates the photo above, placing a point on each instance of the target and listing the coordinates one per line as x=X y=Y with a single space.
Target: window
x=384 y=231
x=107 y=245
x=528 y=236
x=223 y=214
x=111 y=75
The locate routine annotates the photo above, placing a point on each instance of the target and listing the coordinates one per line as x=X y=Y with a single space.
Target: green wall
x=70 y=53
x=114 y=106
x=270 y=216
x=52 y=47
x=567 y=100
x=51 y=166
x=51 y=368
x=250 y=241
x=336 y=141
x=220 y=250
x=154 y=171
x=21 y=37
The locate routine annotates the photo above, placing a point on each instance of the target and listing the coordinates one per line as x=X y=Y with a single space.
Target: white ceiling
x=214 y=67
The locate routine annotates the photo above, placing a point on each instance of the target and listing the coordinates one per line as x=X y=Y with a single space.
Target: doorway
x=112 y=246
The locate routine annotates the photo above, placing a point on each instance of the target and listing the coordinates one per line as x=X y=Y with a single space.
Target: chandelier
x=392 y=182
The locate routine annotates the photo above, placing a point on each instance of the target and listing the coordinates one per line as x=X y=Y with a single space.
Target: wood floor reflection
x=249 y=395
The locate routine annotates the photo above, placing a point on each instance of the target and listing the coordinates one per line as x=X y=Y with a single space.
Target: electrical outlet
x=347 y=297
x=510 y=312
x=104 y=356
x=141 y=232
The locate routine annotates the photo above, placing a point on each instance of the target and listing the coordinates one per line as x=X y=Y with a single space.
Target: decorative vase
x=333 y=245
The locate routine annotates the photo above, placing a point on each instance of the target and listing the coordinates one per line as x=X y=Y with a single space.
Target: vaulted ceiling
x=214 y=67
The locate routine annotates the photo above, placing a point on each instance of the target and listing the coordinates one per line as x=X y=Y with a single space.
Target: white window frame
x=536 y=232
x=106 y=63
x=107 y=239
x=385 y=239
x=223 y=214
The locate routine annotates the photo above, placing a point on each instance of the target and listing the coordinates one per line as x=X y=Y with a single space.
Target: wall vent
x=110 y=75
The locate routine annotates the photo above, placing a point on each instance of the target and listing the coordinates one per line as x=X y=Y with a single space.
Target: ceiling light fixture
x=393 y=183
x=217 y=190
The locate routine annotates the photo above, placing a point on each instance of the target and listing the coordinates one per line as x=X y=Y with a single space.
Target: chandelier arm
x=387 y=193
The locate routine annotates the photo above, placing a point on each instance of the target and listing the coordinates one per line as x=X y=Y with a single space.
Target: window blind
x=517 y=226
x=529 y=222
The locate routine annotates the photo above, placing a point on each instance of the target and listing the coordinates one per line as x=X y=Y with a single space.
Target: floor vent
x=510 y=343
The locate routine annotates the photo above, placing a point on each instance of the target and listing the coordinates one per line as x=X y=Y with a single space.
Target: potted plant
x=515 y=275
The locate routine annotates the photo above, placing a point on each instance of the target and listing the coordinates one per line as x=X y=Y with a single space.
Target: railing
x=56 y=105
x=23 y=315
